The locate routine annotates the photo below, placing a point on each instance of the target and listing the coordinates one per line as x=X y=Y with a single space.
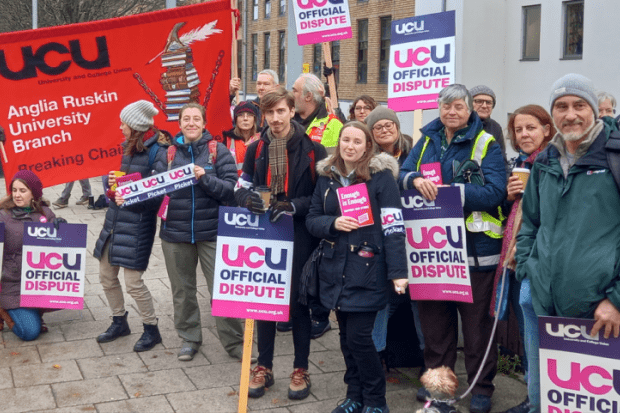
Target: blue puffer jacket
x=193 y=211
x=130 y=230
x=481 y=249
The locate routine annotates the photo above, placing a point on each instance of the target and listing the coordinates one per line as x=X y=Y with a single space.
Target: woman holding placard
x=127 y=235
x=530 y=128
x=360 y=254
x=24 y=204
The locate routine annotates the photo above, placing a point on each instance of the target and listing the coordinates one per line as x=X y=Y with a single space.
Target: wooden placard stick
x=233 y=4
x=246 y=361
x=327 y=56
x=3 y=152
x=417 y=125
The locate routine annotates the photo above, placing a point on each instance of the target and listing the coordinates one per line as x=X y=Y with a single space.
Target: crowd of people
x=559 y=250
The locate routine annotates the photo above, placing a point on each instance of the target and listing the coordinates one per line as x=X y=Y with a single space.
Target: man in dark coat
x=284 y=159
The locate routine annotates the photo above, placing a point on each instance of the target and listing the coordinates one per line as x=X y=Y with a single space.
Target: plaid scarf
x=278 y=162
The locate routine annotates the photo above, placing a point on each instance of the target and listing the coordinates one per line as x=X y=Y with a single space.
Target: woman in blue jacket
x=359 y=261
x=455 y=137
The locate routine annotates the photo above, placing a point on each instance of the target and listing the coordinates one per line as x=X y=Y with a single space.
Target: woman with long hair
x=24 y=204
x=126 y=238
x=530 y=128
x=361 y=107
x=359 y=261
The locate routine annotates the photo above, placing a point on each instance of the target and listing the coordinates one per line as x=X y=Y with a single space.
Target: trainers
x=480 y=404
x=284 y=326
x=186 y=353
x=82 y=201
x=319 y=328
x=522 y=408
x=260 y=379
x=348 y=406
x=423 y=395
x=369 y=409
x=60 y=203
x=299 y=388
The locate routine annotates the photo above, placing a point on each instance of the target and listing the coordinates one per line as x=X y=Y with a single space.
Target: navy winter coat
x=477 y=198
x=193 y=211
x=130 y=230
x=347 y=281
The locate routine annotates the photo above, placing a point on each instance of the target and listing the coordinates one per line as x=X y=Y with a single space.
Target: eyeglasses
x=360 y=108
x=387 y=126
x=483 y=101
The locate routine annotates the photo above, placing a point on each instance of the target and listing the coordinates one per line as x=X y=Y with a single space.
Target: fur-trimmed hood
x=379 y=162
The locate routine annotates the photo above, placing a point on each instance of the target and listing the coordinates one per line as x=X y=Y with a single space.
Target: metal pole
x=244 y=21
x=170 y=4
x=443 y=5
x=35 y=14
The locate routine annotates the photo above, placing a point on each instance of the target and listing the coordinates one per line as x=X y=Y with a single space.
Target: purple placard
x=436 y=246
x=252 y=277
x=53 y=266
x=578 y=372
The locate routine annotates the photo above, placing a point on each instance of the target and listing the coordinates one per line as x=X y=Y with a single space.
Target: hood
x=474 y=126
x=379 y=162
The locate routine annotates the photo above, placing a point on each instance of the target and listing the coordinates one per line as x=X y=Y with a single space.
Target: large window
x=362 y=50
x=281 y=7
x=384 y=48
x=267 y=9
x=317 y=55
x=531 y=33
x=254 y=56
x=573 y=30
x=254 y=9
x=281 y=55
x=267 y=60
x=336 y=59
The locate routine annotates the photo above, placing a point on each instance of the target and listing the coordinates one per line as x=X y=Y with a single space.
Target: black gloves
x=327 y=71
x=280 y=208
x=57 y=221
x=255 y=204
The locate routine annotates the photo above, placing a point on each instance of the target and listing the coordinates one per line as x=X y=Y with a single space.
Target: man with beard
x=567 y=249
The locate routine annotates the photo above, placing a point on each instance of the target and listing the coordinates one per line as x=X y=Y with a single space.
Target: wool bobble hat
x=574 y=84
x=246 y=107
x=483 y=90
x=32 y=180
x=380 y=113
x=139 y=115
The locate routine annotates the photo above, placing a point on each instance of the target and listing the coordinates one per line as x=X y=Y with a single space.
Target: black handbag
x=309 y=281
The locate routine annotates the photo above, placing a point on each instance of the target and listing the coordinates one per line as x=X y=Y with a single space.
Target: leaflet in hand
x=432 y=172
x=355 y=203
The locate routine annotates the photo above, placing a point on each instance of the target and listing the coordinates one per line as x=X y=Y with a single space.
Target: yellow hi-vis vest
x=479 y=221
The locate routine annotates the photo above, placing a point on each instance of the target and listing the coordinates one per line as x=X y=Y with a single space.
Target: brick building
x=362 y=60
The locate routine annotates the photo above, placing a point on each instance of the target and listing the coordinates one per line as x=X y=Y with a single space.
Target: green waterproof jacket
x=569 y=242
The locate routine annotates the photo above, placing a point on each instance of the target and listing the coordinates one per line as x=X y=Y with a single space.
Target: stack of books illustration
x=180 y=80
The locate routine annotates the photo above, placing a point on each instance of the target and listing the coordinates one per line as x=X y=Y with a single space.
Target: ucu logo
x=36 y=60
x=416 y=202
x=127 y=189
x=582 y=377
x=42 y=232
x=308 y=4
x=410 y=27
x=391 y=218
x=241 y=219
x=54 y=261
x=421 y=56
x=436 y=237
x=153 y=181
x=569 y=331
x=245 y=257
x=180 y=173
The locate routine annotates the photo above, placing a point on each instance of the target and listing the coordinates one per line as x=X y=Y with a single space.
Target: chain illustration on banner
x=216 y=71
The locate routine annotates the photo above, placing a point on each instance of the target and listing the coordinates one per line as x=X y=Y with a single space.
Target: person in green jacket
x=311 y=111
x=568 y=248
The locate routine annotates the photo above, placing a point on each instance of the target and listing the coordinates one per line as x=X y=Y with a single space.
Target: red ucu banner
x=64 y=87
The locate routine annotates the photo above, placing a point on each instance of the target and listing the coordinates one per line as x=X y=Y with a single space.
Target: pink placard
x=125 y=179
x=432 y=172
x=355 y=203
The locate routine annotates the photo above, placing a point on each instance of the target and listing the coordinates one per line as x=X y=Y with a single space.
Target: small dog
x=441 y=384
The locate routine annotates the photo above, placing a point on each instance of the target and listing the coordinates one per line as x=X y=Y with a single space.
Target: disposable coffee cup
x=523 y=174
x=265 y=193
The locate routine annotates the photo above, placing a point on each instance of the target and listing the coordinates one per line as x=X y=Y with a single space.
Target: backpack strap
x=212 y=151
x=312 y=166
x=152 y=153
x=612 y=148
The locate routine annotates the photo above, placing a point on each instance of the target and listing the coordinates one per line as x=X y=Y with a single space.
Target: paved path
x=66 y=370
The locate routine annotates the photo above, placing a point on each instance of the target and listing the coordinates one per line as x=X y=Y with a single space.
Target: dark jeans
x=319 y=313
x=364 y=376
x=266 y=332
x=440 y=327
